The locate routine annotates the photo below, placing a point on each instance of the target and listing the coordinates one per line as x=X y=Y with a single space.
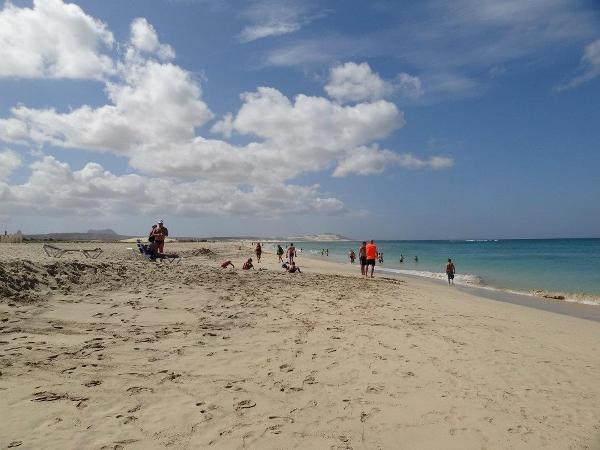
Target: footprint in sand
x=286 y=368
x=244 y=404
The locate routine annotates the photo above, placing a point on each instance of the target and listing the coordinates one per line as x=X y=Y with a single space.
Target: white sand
x=135 y=355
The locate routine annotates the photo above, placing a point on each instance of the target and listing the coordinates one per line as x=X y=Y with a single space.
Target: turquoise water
x=552 y=265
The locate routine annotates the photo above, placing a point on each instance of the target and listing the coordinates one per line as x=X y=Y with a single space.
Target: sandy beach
x=117 y=353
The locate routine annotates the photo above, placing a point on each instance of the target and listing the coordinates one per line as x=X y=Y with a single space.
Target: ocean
x=544 y=267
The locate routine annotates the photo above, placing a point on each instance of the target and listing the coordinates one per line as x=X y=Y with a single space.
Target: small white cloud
x=352 y=82
x=9 y=162
x=371 y=161
x=276 y=18
x=144 y=38
x=590 y=62
x=53 y=40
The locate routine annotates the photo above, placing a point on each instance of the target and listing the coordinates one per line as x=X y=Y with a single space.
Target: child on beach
x=258 y=251
x=226 y=264
x=248 y=265
x=293 y=268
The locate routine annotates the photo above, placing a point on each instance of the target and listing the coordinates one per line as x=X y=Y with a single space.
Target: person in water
x=401 y=258
x=280 y=253
x=416 y=259
x=381 y=258
x=371 y=251
x=352 y=256
x=258 y=251
x=362 y=257
x=450 y=270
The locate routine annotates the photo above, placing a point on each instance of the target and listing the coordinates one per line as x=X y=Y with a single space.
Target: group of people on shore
x=367 y=254
x=289 y=265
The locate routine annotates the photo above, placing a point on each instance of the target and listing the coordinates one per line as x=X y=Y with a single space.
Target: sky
x=383 y=119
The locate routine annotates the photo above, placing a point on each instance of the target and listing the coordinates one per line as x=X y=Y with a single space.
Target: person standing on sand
x=362 y=257
x=258 y=251
x=291 y=252
x=160 y=233
x=450 y=269
x=279 y=253
x=371 y=251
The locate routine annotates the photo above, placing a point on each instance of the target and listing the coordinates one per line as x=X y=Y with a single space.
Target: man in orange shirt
x=371 y=257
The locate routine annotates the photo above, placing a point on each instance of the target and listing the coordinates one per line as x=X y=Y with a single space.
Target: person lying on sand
x=248 y=265
x=226 y=264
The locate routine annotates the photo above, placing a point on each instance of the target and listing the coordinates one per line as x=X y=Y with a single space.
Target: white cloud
x=145 y=39
x=371 y=161
x=54 y=188
x=155 y=102
x=53 y=40
x=151 y=118
x=352 y=82
x=9 y=161
x=276 y=18
x=224 y=126
x=590 y=62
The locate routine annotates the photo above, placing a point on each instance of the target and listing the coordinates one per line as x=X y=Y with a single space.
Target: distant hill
x=106 y=235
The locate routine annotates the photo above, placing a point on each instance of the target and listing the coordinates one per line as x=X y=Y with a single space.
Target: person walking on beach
x=160 y=233
x=291 y=252
x=450 y=269
x=279 y=253
x=362 y=257
x=258 y=251
x=371 y=251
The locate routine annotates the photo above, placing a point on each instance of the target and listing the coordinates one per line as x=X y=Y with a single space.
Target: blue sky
x=384 y=119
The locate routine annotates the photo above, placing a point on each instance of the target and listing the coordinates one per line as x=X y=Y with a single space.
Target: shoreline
x=564 y=307
x=586 y=306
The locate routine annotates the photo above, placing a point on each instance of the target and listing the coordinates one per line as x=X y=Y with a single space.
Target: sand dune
x=123 y=354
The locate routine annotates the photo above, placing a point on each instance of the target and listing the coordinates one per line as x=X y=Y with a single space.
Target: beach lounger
x=145 y=254
x=57 y=252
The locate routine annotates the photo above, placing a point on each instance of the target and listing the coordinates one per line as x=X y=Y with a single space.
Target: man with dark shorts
x=362 y=257
x=371 y=251
x=450 y=269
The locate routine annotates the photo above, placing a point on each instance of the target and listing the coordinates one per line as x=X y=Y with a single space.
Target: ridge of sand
x=138 y=355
